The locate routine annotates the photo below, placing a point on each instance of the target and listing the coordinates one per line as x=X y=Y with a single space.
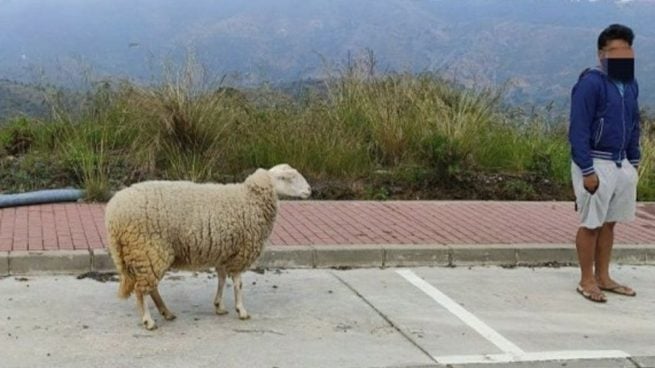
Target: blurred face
x=618 y=60
x=616 y=49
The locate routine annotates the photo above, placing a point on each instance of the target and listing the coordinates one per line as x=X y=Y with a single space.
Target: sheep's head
x=288 y=182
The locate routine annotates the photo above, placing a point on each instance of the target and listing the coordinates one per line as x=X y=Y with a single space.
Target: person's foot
x=616 y=288
x=593 y=293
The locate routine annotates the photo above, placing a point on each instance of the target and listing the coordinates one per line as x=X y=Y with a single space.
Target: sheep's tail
x=126 y=281
x=126 y=286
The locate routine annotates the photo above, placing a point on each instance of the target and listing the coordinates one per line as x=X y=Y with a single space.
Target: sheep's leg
x=159 y=302
x=238 y=297
x=218 y=301
x=141 y=304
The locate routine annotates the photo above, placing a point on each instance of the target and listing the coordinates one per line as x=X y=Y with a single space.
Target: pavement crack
x=385 y=317
x=636 y=364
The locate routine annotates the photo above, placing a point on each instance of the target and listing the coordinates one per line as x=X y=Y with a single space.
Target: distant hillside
x=540 y=46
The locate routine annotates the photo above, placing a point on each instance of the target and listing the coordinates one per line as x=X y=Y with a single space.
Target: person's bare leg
x=604 y=251
x=604 y=256
x=585 y=243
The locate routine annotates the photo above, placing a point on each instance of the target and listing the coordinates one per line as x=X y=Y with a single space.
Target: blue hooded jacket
x=604 y=122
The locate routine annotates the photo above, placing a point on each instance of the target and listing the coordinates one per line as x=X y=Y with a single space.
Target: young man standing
x=604 y=138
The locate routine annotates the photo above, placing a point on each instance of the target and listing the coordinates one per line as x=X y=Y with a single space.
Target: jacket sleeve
x=633 y=150
x=583 y=111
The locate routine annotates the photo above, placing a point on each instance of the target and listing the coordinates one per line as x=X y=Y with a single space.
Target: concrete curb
x=101 y=261
x=27 y=262
x=328 y=256
x=402 y=255
x=352 y=256
x=292 y=256
x=4 y=263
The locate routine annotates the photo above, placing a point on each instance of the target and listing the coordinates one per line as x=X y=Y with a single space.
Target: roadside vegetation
x=356 y=135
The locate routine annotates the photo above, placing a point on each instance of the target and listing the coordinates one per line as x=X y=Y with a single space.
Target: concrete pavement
x=391 y=318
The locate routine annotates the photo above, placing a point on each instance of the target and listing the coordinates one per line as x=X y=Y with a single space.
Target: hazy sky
x=542 y=44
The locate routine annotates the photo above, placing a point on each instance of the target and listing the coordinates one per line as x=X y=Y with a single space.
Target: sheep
x=157 y=225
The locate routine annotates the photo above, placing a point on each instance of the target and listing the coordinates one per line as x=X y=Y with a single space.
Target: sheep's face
x=289 y=183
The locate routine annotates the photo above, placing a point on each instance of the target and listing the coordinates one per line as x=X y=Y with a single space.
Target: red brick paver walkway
x=81 y=226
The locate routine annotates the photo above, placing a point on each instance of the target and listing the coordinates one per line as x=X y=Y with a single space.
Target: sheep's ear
x=260 y=177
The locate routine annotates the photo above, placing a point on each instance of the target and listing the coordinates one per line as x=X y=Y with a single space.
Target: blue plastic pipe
x=39 y=197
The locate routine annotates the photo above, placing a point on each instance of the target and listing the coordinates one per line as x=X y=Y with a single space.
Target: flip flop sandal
x=589 y=296
x=619 y=289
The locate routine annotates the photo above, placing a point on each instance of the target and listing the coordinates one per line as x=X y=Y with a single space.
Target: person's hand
x=591 y=183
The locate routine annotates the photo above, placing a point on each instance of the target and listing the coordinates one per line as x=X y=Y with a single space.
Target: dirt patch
x=99 y=276
x=469 y=185
x=549 y=264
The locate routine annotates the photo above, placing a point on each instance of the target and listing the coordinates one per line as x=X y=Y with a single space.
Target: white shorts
x=615 y=200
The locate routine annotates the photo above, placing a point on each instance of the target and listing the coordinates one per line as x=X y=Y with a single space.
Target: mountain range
x=535 y=47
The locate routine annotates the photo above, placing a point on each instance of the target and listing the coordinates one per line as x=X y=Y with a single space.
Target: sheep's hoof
x=243 y=315
x=169 y=316
x=221 y=311
x=149 y=324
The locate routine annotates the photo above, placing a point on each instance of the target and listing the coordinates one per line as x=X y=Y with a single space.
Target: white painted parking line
x=467 y=317
x=511 y=352
x=532 y=357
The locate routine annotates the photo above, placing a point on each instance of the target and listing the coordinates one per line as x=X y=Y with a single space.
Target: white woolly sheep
x=157 y=225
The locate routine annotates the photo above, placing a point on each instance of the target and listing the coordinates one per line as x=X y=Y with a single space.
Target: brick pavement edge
x=355 y=256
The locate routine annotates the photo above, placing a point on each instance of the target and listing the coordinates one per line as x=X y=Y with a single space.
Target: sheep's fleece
x=157 y=225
